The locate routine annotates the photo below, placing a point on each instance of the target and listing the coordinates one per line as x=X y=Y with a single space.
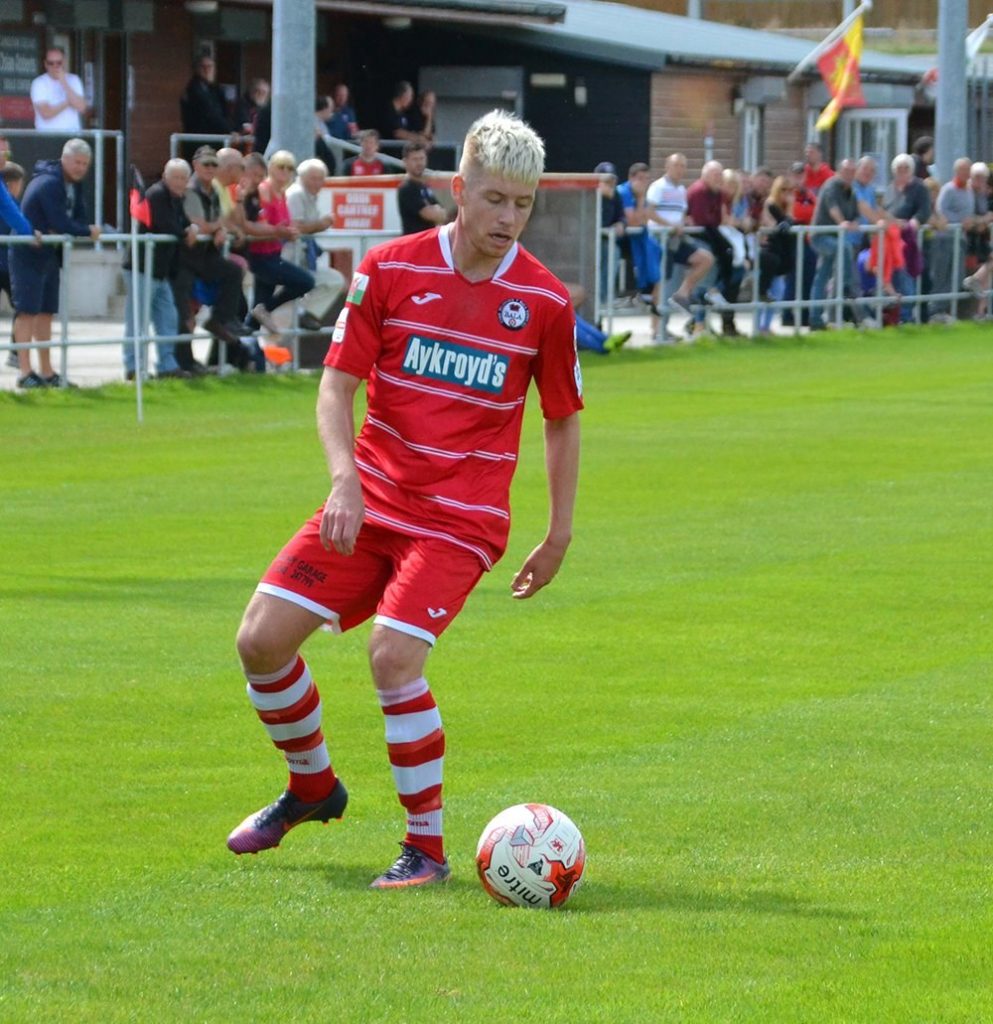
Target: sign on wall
x=20 y=61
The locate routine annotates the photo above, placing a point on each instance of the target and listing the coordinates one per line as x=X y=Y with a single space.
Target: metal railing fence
x=836 y=302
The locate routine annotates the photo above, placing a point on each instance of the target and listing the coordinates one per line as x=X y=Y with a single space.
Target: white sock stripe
x=413 y=780
x=417 y=688
x=415 y=726
x=425 y=824
x=308 y=762
x=272 y=677
x=294 y=730
x=262 y=701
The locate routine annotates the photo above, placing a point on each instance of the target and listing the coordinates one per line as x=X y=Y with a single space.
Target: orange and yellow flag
x=839 y=67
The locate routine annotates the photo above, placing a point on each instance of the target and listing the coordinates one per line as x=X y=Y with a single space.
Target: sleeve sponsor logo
x=513 y=314
x=338 y=335
x=356 y=292
x=456 y=364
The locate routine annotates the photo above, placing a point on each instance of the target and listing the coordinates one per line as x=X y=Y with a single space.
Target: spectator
x=815 y=172
x=324 y=144
x=57 y=96
x=301 y=200
x=422 y=116
x=398 y=116
x=12 y=221
x=758 y=193
x=206 y=261
x=277 y=281
x=837 y=205
x=419 y=206
x=611 y=218
x=686 y=263
x=588 y=336
x=706 y=209
x=804 y=204
x=779 y=251
x=336 y=121
x=166 y=217
x=367 y=162
x=255 y=97
x=737 y=219
x=343 y=105
x=923 y=154
x=864 y=188
x=957 y=205
x=646 y=255
x=230 y=170
x=202 y=106
x=979 y=235
x=907 y=203
x=53 y=204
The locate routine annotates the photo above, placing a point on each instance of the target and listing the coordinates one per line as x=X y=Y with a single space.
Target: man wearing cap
x=611 y=216
x=205 y=260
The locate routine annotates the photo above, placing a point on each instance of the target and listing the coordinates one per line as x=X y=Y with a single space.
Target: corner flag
x=839 y=67
x=137 y=203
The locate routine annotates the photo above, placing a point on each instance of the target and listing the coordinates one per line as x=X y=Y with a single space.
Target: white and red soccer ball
x=531 y=855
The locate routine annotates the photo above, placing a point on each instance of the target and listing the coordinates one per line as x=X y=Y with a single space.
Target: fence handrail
x=138 y=333
x=837 y=302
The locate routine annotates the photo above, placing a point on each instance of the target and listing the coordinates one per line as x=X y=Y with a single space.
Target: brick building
x=598 y=80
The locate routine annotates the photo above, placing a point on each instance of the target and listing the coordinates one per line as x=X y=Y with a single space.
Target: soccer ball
x=531 y=855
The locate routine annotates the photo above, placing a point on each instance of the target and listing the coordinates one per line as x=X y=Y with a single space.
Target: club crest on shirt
x=513 y=314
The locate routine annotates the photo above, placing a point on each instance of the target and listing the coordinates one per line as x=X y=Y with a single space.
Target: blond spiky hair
x=503 y=144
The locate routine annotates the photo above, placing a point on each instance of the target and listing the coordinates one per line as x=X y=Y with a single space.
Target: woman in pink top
x=277 y=281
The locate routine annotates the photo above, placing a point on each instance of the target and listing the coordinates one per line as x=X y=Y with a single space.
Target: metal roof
x=646 y=39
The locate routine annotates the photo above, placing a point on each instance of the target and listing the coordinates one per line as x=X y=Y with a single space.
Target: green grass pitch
x=760 y=686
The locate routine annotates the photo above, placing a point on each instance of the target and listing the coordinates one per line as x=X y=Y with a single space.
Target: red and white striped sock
x=415 y=742
x=289 y=706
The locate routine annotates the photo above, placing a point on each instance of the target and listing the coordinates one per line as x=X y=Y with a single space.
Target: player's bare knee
x=395 y=658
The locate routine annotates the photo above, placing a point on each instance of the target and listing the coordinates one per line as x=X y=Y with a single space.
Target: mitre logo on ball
x=531 y=855
x=514 y=314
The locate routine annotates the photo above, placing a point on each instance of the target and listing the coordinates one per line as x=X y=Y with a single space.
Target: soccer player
x=447 y=327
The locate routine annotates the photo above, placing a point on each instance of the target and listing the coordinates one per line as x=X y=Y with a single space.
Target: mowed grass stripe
x=760 y=686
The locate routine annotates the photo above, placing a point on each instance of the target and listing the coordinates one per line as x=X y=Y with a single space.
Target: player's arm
x=562 y=467
x=345 y=508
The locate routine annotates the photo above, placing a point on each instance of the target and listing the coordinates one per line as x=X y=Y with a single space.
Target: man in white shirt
x=58 y=96
x=686 y=263
x=301 y=198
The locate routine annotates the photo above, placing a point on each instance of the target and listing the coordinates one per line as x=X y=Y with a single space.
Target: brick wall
x=686 y=106
x=162 y=67
x=785 y=131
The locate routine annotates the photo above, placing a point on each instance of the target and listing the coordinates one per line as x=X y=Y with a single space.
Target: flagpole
x=829 y=40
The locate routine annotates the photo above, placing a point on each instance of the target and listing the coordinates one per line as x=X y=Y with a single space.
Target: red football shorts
x=416 y=585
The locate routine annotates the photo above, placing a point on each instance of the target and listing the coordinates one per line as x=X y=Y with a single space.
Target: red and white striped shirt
x=448 y=363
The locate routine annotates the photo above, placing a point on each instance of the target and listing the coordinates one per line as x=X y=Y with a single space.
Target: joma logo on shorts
x=441 y=360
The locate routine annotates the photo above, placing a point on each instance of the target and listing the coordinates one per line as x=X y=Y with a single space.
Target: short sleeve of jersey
x=556 y=369
x=357 y=338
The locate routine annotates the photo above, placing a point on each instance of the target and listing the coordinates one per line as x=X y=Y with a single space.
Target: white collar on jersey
x=445 y=240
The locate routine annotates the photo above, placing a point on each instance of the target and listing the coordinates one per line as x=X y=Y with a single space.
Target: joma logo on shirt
x=441 y=360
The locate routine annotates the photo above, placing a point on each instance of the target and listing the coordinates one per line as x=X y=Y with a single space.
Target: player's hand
x=342 y=519
x=538 y=570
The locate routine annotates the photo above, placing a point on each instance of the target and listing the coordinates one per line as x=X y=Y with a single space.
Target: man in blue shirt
x=646 y=254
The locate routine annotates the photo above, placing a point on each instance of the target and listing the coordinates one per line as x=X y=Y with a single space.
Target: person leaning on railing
x=54 y=205
x=165 y=217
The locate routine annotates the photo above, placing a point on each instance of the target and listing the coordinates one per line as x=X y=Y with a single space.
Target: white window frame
x=850 y=126
x=751 y=136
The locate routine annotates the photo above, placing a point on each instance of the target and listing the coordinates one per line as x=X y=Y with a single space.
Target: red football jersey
x=448 y=363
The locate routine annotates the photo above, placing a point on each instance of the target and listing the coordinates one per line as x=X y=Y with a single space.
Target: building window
x=881 y=134
x=751 y=136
